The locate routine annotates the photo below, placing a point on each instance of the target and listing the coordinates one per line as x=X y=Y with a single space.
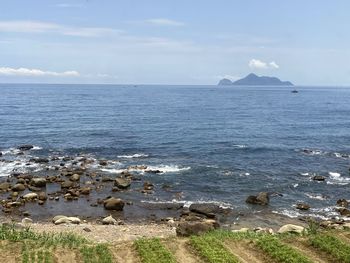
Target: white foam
x=36 y=148
x=187 y=203
x=305 y=174
x=7 y=168
x=240 y=146
x=327 y=213
x=113 y=171
x=295 y=185
x=136 y=155
x=334 y=175
x=316 y=196
x=336 y=178
x=167 y=168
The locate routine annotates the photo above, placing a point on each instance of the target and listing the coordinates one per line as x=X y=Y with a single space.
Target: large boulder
x=188 y=228
x=114 y=204
x=344 y=212
x=109 y=220
x=18 y=188
x=261 y=199
x=122 y=183
x=343 y=203
x=30 y=196
x=66 y=220
x=209 y=210
x=5 y=186
x=67 y=184
x=38 y=182
x=302 y=206
x=289 y=228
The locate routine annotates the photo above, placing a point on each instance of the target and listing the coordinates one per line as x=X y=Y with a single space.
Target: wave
x=136 y=155
x=325 y=213
x=187 y=203
x=15 y=151
x=7 y=168
x=337 y=178
x=167 y=168
x=316 y=196
x=239 y=146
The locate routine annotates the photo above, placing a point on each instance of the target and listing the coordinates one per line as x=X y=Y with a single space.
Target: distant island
x=254 y=80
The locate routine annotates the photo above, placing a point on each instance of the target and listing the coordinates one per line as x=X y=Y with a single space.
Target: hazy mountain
x=254 y=80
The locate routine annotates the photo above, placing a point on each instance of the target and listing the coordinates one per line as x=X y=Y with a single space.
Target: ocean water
x=216 y=144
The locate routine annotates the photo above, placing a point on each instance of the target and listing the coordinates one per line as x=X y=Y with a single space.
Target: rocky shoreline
x=75 y=192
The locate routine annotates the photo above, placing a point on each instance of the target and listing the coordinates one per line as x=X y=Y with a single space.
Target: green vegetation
x=279 y=251
x=153 y=251
x=333 y=246
x=33 y=254
x=212 y=249
x=96 y=254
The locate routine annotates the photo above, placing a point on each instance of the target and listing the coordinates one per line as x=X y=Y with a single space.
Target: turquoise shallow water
x=212 y=143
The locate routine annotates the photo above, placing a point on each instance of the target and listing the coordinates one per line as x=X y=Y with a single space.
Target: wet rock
x=302 y=206
x=260 y=199
x=34 y=188
x=185 y=228
x=21 y=181
x=39 y=160
x=67 y=184
x=85 y=190
x=344 y=212
x=148 y=186
x=5 y=186
x=18 y=188
x=113 y=204
x=30 y=196
x=25 y=147
x=318 y=178
x=109 y=220
x=209 y=210
x=343 y=203
x=38 y=182
x=153 y=171
x=42 y=196
x=122 y=183
x=75 y=177
x=289 y=228
x=107 y=179
x=26 y=213
x=103 y=162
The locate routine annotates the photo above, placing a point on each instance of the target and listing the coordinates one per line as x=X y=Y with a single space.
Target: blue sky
x=174 y=42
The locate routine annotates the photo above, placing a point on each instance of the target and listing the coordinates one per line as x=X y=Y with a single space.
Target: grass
x=280 y=251
x=338 y=249
x=96 y=254
x=153 y=251
x=212 y=249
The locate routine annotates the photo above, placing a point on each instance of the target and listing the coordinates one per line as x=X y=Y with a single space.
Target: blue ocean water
x=213 y=143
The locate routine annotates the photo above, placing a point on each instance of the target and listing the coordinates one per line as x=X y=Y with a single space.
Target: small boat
x=294 y=91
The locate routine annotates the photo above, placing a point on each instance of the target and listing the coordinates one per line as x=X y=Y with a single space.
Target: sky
x=174 y=42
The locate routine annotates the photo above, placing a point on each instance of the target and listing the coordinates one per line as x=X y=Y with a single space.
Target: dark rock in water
x=113 y=204
x=0 y=154
x=344 y=212
x=318 y=178
x=38 y=182
x=18 y=188
x=260 y=199
x=122 y=183
x=103 y=162
x=209 y=210
x=25 y=147
x=148 y=186
x=343 y=203
x=153 y=171
x=85 y=190
x=186 y=228
x=302 y=206
x=39 y=160
x=5 y=186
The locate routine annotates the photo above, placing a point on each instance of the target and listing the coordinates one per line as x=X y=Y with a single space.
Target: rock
x=148 y=186
x=186 y=228
x=67 y=184
x=5 y=186
x=39 y=160
x=57 y=217
x=209 y=210
x=242 y=230
x=103 y=162
x=27 y=221
x=25 y=147
x=38 y=182
x=26 y=213
x=289 y=228
x=86 y=229
x=343 y=203
x=18 y=188
x=114 y=204
x=318 y=178
x=109 y=220
x=153 y=171
x=41 y=202
x=85 y=190
x=302 y=206
x=34 y=188
x=122 y=183
x=30 y=196
x=75 y=177
x=344 y=212
x=42 y=196
x=67 y=220
x=260 y=199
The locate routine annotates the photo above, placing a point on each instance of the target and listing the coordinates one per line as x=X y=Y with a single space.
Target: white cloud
x=258 y=64
x=26 y=72
x=163 y=22
x=24 y=26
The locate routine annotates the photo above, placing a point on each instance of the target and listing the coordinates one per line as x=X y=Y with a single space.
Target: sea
x=216 y=144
